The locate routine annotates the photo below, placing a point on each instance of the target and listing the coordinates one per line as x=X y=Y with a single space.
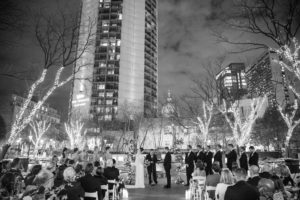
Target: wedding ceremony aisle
x=176 y=192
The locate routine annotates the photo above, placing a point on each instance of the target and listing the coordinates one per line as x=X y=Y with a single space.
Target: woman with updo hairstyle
x=72 y=189
x=226 y=180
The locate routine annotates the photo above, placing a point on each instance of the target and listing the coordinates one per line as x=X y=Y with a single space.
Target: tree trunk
x=4 y=151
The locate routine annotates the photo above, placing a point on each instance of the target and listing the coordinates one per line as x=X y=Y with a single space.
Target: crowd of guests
x=240 y=178
x=67 y=178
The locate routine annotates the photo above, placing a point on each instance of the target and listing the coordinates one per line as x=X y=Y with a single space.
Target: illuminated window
x=107 y=117
x=120 y=16
x=118 y=42
x=102 y=64
x=106 y=5
x=101 y=94
x=110 y=71
x=101 y=86
x=109 y=94
x=105 y=23
x=104 y=43
x=109 y=102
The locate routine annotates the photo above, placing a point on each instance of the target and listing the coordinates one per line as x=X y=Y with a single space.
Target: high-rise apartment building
x=121 y=65
x=266 y=77
x=231 y=82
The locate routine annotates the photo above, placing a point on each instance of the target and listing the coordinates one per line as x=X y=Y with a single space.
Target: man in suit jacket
x=231 y=156
x=89 y=183
x=190 y=163
x=167 y=166
x=244 y=159
x=254 y=176
x=151 y=161
x=208 y=161
x=218 y=155
x=241 y=190
x=253 y=157
x=200 y=155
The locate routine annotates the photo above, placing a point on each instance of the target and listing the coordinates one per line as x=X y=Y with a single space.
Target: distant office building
x=10 y=105
x=231 y=82
x=122 y=63
x=265 y=77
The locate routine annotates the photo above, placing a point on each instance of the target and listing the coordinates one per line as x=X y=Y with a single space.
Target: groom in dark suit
x=167 y=166
x=151 y=161
x=189 y=162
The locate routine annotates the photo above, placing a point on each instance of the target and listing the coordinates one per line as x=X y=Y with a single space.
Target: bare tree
x=278 y=21
x=39 y=128
x=240 y=125
x=290 y=120
x=57 y=37
x=74 y=130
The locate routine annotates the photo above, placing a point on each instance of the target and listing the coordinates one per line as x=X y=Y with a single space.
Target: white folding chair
x=207 y=190
x=91 y=195
x=112 y=192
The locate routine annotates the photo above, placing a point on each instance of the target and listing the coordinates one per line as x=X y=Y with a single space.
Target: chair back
x=91 y=195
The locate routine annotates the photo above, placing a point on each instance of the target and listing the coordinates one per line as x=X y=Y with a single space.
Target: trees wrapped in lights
x=240 y=125
x=291 y=122
x=39 y=128
x=75 y=132
x=290 y=61
x=60 y=49
x=203 y=122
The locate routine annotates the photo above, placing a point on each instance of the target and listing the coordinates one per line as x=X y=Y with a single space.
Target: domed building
x=168 y=129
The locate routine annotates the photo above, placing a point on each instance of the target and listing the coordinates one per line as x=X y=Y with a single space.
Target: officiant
x=150 y=162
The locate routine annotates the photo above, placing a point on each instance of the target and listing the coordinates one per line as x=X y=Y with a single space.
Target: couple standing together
x=150 y=162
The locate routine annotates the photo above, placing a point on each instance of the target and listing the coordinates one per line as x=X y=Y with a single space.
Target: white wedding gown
x=139 y=171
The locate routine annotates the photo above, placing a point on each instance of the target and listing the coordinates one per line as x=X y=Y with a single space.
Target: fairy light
x=290 y=121
x=241 y=128
x=39 y=128
x=21 y=120
x=204 y=121
x=73 y=130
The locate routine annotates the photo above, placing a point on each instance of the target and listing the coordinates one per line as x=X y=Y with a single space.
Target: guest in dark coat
x=253 y=157
x=111 y=172
x=254 y=175
x=103 y=180
x=190 y=163
x=208 y=161
x=231 y=156
x=89 y=183
x=218 y=155
x=73 y=188
x=151 y=160
x=243 y=159
x=31 y=176
x=241 y=190
x=167 y=166
x=200 y=155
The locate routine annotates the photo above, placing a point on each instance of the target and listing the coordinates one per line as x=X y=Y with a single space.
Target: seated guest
x=15 y=167
x=52 y=166
x=103 y=180
x=73 y=189
x=266 y=171
x=226 y=180
x=213 y=179
x=286 y=174
x=110 y=172
x=79 y=171
x=59 y=177
x=75 y=155
x=44 y=179
x=266 y=189
x=234 y=166
x=200 y=169
x=31 y=176
x=96 y=165
x=280 y=192
x=254 y=175
x=241 y=190
x=89 y=182
x=7 y=186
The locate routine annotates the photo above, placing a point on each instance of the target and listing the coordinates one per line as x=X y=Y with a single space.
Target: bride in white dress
x=139 y=169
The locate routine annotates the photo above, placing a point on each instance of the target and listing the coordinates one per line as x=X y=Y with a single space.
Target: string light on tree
x=289 y=119
x=242 y=126
x=39 y=128
x=74 y=129
x=204 y=121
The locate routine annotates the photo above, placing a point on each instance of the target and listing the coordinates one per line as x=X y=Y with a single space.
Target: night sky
x=185 y=43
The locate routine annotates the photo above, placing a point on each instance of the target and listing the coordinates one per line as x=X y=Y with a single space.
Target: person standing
x=189 y=162
x=151 y=161
x=218 y=155
x=167 y=166
x=107 y=154
x=253 y=157
x=200 y=154
x=244 y=159
x=209 y=157
x=231 y=156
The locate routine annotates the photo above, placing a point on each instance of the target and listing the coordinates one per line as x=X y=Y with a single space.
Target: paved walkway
x=176 y=192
